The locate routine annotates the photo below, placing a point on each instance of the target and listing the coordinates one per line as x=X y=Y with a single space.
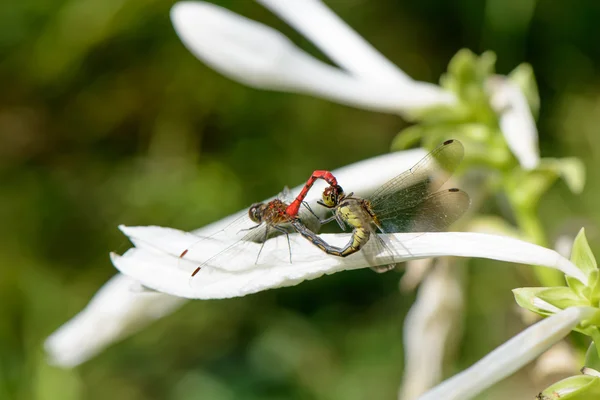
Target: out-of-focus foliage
x=105 y=118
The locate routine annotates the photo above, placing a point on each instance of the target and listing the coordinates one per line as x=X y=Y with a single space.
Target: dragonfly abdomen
x=359 y=238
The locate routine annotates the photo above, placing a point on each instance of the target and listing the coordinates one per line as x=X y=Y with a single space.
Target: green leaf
x=580 y=387
x=528 y=298
x=570 y=169
x=589 y=327
x=578 y=287
x=467 y=75
x=581 y=254
x=594 y=285
x=592 y=360
x=525 y=298
x=441 y=114
x=523 y=76
x=525 y=188
x=466 y=68
x=460 y=71
x=547 y=301
x=478 y=139
x=562 y=297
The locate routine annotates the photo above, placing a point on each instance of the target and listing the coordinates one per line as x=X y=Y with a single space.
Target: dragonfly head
x=256 y=212
x=332 y=196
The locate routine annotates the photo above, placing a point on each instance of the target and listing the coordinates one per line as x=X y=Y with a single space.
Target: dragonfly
x=409 y=202
x=271 y=219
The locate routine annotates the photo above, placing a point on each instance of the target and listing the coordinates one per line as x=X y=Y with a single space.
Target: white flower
x=259 y=56
x=509 y=357
x=516 y=121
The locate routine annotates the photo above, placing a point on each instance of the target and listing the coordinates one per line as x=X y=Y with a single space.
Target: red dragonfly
x=272 y=218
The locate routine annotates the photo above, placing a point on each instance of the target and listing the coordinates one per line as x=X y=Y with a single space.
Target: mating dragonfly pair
x=409 y=202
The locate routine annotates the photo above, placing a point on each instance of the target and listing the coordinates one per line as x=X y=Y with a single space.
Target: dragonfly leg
x=263 y=242
x=249 y=229
x=287 y=235
x=321 y=221
x=339 y=220
x=305 y=204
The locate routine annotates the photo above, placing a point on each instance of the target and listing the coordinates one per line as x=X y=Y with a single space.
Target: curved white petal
x=336 y=39
x=510 y=356
x=516 y=121
x=116 y=310
x=156 y=265
x=119 y=309
x=259 y=56
x=433 y=320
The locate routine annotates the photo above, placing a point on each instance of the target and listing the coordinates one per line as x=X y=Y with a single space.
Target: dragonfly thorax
x=352 y=211
x=272 y=212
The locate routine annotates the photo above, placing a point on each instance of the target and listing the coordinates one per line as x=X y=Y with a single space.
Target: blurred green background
x=106 y=119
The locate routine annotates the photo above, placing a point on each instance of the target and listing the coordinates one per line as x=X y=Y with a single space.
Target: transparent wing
x=434 y=213
x=427 y=176
x=234 y=231
x=239 y=254
x=378 y=247
x=249 y=249
x=309 y=220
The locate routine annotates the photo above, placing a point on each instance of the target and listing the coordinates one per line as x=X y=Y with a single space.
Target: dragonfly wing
x=239 y=255
x=285 y=195
x=231 y=233
x=435 y=213
x=376 y=249
x=309 y=220
x=427 y=176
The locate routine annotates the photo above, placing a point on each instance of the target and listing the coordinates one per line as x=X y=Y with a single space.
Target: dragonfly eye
x=332 y=195
x=255 y=212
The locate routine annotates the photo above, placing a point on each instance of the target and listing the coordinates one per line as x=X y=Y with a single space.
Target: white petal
x=516 y=121
x=415 y=272
x=119 y=308
x=239 y=275
x=259 y=56
x=564 y=244
x=353 y=53
x=509 y=357
x=336 y=39
x=115 y=310
x=435 y=317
